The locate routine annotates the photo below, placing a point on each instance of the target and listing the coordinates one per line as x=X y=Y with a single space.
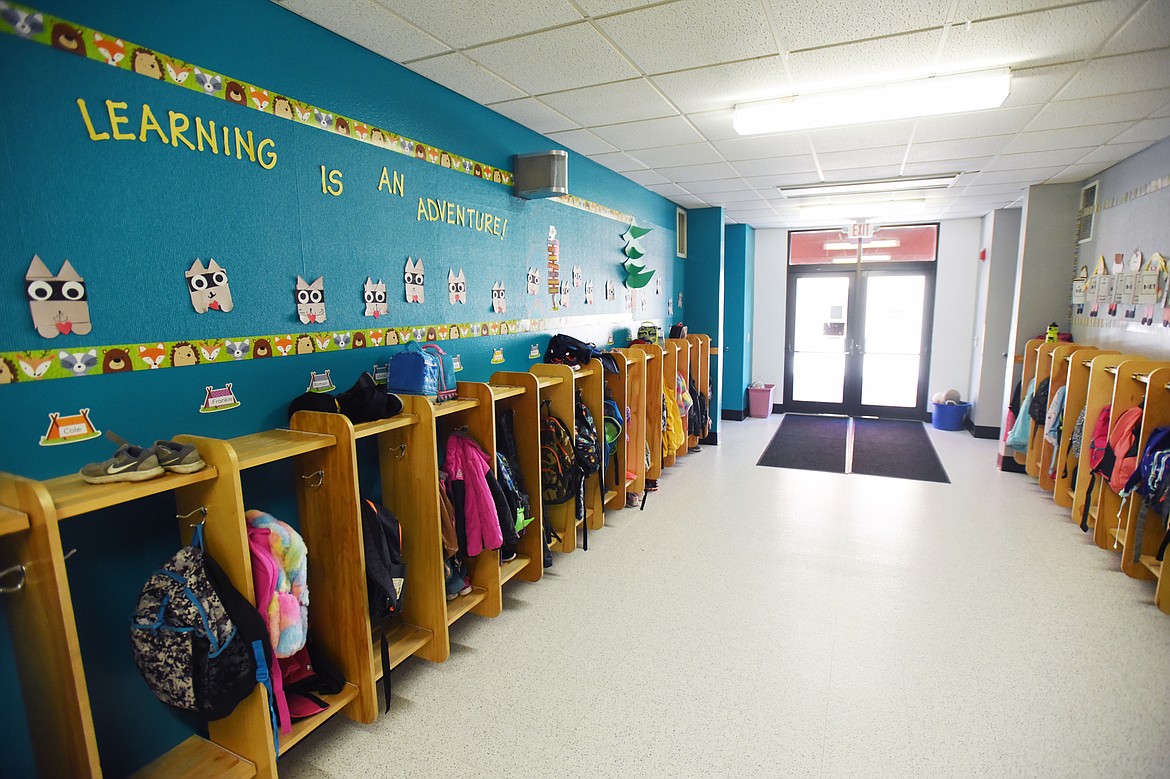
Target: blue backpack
x=422 y=370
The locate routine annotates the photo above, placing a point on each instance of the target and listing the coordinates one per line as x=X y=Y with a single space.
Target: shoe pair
x=633 y=499
x=652 y=485
x=458 y=582
x=694 y=449
x=133 y=463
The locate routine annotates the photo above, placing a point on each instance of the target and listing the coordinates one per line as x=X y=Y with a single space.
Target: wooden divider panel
x=1156 y=413
x=670 y=360
x=558 y=386
x=1058 y=377
x=614 y=488
x=653 y=418
x=1036 y=431
x=1076 y=391
x=682 y=367
x=526 y=415
x=1099 y=394
x=635 y=438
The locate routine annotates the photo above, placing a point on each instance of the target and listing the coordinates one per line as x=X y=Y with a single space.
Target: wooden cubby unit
x=1139 y=554
x=634 y=439
x=1098 y=395
x=1036 y=431
x=700 y=373
x=682 y=367
x=1031 y=350
x=652 y=422
x=519 y=393
x=1076 y=390
x=614 y=486
x=670 y=356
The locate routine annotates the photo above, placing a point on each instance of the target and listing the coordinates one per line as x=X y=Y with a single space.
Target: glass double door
x=858 y=342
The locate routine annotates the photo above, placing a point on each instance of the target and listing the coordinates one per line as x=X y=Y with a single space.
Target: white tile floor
x=767 y=622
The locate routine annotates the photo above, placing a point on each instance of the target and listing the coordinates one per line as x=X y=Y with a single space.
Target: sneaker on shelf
x=178 y=458
x=454 y=581
x=129 y=463
x=506 y=557
x=466 y=589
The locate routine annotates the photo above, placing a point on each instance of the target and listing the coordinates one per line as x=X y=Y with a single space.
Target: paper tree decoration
x=633 y=249
x=636 y=275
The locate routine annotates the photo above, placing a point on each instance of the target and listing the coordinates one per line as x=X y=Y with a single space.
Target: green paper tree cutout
x=636 y=275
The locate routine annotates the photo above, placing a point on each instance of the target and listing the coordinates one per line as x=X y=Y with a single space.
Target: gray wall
x=1000 y=237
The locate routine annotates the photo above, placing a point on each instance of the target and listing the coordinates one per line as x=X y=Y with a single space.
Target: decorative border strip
x=78 y=361
x=1146 y=189
x=76 y=39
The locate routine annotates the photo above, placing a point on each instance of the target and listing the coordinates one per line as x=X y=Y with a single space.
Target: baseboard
x=733 y=415
x=1008 y=464
x=777 y=408
x=982 y=431
x=711 y=439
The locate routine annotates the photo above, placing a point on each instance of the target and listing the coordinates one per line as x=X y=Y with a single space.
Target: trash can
x=949 y=416
x=760 y=401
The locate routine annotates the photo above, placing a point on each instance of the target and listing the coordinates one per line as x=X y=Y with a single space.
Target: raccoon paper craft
x=499 y=302
x=208 y=287
x=456 y=287
x=311 y=300
x=58 y=304
x=414 y=281
x=533 y=280
x=375 y=297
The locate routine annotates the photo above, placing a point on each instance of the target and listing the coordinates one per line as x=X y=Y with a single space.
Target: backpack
x=648 y=332
x=285 y=557
x=1038 y=409
x=1121 y=452
x=613 y=424
x=557 y=471
x=678 y=330
x=422 y=370
x=517 y=501
x=198 y=643
x=566 y=350
x=1100 y=438
x=385 y=567
x=587 y=445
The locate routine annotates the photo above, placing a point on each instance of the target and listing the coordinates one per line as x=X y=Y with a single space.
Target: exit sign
x=860 y=230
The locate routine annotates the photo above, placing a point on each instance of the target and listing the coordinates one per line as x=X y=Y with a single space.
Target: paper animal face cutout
x=375 y=297
x=238 y=349
x=609 y=290
x=58 y=303
x=565 y=293
x=499 y=303
x=589 y=293
x=456 y=287
x=533 y=280
x=78 y=362
x=311 y=300
x=576 y=275
x=414 y=281
x=208 y=287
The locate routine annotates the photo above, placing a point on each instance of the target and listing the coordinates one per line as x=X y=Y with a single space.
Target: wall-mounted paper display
x=680 y=301
x=499 y=302
x=374 y=295
x=669 y=307
x=554 y=267
x=636 y=275
x=380 y=372
x=183 y=354
x=1118 y=296
x=78 y=362
x=310 y=300
x=1150 y=283
x=1078 y=289
x=456 y=287
x=220 y=399
x=609 y=291
x=589 y=293
x=533 y=280
x=497 y=356
x=576 y=275
x=59 y=304
x=534 y=352
x=457 y=362
x=69 y=428
x=208 y=287
x=658 y=285
x=414 y=276
x=320 y=382
x=35 y=367
x=633 y=250
x=564 y=296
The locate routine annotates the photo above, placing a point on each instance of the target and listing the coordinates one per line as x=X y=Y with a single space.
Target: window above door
x=900 y=243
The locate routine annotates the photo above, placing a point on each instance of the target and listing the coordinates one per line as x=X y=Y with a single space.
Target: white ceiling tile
x=934 y=167
x=1096 y=110
x=1069 y=138
x=867 y=62
x=670 y=156
x=691 y=33
x=459 y=74
x=670 y=131
x=981 y=9
x=865 y=173
x=667 y=190
x=619 y=162
x=832 y=139
x=1027 y=176
x=1113 y=152
x=534 y=115
x=805 y=24
x=626 y=101
x=723 y=86
x=715 y=125
x=582 y=142
x=1125 y=72
x=1036 y=159
x=756 y=147
x=717 y=170
x=739 y=198
x=862 y=158
x=689 y=201
x=999 y=121
x=1032 y=86
x=645 y=177
x=1078 y=173
x=484 y=20
x=765 y=183
x=370 y=25
x=1042 y=38
x=720 y=186
x=957 y=150
x=1149 y=29
x=1149 y=130
x=602 y=7
x=525 y=61
x=802 y=164
x=991 y=190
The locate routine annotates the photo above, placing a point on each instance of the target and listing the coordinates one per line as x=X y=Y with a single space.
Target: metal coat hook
x=401 y=452
x=201 y=511
x=318 y=475
x=69 y=554
x=8 y=589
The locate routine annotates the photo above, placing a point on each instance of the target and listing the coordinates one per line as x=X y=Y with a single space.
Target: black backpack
x=566 y=350
x=385 y=566
x=587 y=445
x=1038 y=409
x=558 y=473
x=199 y=644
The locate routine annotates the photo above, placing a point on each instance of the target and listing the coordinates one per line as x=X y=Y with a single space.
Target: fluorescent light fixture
x=866 y=187
x=845 y=246
x=883 y=208
x=950 y=94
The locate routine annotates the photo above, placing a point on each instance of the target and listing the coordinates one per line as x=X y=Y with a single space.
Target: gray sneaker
x=129 y=463
x=178 y=458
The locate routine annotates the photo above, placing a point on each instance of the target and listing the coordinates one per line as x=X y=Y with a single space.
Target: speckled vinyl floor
x=771 y=623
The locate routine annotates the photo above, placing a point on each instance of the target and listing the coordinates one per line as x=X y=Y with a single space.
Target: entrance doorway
x=859 y=322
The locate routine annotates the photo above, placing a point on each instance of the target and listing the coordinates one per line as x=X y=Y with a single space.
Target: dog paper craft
x=456 y=287
x=311 y=300
x=59 y=304
x=208 y=287
x=375 y=297
x=499 y=303
x=414 y=277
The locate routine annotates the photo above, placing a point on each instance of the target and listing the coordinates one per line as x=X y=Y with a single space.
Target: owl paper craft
x=533 y=280
x=456 y=287
x=208 y=287
x=375 y=297
x=499 y=303
x=414 y=281
x=311 y=300
x=59 y=304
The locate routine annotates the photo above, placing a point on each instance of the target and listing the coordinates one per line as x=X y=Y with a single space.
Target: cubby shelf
x=502 y=391
x=509 y=569
x=197 y=758
x=1152 y=564
x=366 y=429
x=304 y=727
x=272 y=445
x=12 y=521
x=464 y=603
x=402 y=640
x=73 y=497
x=455 y=406
x=548 y=381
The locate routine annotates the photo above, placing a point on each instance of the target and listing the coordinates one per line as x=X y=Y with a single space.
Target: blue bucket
x=949 y=416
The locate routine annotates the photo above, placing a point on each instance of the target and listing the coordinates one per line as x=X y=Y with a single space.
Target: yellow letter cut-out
x=93 y=136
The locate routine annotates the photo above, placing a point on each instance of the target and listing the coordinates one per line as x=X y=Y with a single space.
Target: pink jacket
x=467 y=462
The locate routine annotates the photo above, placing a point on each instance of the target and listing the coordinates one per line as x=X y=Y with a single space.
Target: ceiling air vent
x=1088 y=213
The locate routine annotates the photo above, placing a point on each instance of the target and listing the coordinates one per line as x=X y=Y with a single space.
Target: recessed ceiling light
x=881 y=208
x=865 y=187
x=950 y=94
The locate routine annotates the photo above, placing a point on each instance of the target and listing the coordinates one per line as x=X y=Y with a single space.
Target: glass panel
x=819 y=337
x=893 y=340
x=820 y=247
x=917 y=243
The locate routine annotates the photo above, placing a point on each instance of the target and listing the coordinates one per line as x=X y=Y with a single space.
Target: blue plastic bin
x=949 y=416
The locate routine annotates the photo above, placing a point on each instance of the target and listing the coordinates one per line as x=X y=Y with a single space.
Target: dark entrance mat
x=897 y=448
x=808 y=443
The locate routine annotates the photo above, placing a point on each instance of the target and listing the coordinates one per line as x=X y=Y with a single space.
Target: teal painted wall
x=132 y=216
x=704 y=290
x=738 y=309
